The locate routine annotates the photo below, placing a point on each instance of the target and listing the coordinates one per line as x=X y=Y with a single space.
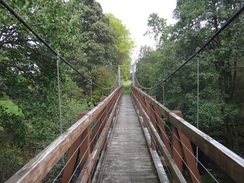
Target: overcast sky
x=134 y=14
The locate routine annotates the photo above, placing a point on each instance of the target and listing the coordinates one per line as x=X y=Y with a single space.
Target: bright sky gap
x=134 y=14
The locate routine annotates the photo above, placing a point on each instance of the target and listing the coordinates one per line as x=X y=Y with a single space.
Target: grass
x=126 y=87
x=11 y=107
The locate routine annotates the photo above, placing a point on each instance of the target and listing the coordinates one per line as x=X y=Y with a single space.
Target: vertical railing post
x=97 y=123
x=188 y=153
x=162 y=130
x=133 y=74
x=73 y=154
x=177 y=153
x=149 y=112
x=142 y=101
x=118 y=75
x=85 y=150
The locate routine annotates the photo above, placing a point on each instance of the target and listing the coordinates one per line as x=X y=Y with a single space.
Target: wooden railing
x=83 y=143
x=181 y=137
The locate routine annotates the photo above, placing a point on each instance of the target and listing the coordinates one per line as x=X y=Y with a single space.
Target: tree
x=220 y=66
x=81 y=33
x=157 y=28
x=123 y=44
x=223 y=53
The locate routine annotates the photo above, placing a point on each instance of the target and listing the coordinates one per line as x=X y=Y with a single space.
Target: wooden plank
x=150 y=113
x=163 y=133
x=38 y=167
x=226 y=159
x=177 y=175
x=95 y=128
x=188 y=154
x=176 y=149
x=85 y=150
x=156 y=159
x=86 y=171
x=128 y=158
x=161 y=128
x=143 y=103
x=190 y=158
x=72 y=155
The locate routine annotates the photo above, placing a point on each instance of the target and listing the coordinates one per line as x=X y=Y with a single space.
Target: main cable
x=201 y=48
x=145 y=88
x=11 y=10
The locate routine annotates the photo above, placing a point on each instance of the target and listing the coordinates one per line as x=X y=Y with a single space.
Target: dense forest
x=221 y=69
x=93 y=42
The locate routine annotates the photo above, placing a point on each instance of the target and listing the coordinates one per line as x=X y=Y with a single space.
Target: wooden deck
x=128 y=158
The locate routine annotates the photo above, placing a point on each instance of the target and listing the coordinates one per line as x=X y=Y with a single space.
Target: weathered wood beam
x=86 y=171
x=188 y=154
x=39 y=166
x=226 y=159
x=163 y=178
x=72 y=155
x=177 y=175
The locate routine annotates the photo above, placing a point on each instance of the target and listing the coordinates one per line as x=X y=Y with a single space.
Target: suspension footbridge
x=129 y=138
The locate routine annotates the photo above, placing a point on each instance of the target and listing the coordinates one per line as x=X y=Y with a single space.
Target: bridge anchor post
x=74 y=154
x=183 y=147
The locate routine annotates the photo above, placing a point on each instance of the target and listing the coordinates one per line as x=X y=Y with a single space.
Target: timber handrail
x=226 y=159
x=39 y=166
x=178 y=177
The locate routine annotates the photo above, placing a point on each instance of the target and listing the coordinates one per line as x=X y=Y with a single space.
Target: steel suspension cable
x=163 y=93
x=59 y=96
x=12 y=11
x=207 y=43
x=202 y=47
x=145 y=88
x=198 y=97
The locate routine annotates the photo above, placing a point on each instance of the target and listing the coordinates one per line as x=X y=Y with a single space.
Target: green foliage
x=157 y=28
x=28 y=75
x=13 y=139
x=105 y=77
x=221 y=72
x=123 y=44
x=10 y=106
x=126 y=88
x=13 y=130
x=12 y=159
